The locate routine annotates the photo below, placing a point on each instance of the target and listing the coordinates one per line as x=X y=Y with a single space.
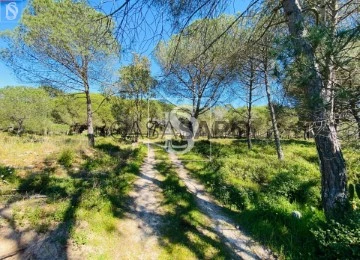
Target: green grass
x=186 y=234
x=87 y=190
x=84 y=202
x=66 y=158
x=261 y=192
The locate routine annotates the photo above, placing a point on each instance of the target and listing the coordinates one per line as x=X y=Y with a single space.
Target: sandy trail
x=141 y=225
x=242 y=245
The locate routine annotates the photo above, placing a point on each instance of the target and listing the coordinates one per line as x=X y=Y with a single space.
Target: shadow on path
x=243 y=246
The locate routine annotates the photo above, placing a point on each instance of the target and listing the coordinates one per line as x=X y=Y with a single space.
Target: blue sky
x=7 y=78
x=6 y=75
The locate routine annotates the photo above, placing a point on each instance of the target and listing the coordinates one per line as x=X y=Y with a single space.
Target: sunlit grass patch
x=31 y=151
x=38 y=215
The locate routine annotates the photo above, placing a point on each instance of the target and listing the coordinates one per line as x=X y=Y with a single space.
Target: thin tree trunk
x=21 y=127
x=332 y=163
x=90 y=127
x=89 y=113
x=279 y=151
x=249 y=118
x=357 y=118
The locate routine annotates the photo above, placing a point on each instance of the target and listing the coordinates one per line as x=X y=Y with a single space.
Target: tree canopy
x=25 y=109
x=196 y=74
x=64 y=44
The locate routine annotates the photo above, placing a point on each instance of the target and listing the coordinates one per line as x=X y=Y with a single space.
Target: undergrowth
x=263 y=193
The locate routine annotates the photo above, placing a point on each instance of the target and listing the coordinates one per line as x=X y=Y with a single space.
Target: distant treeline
x=48 y=111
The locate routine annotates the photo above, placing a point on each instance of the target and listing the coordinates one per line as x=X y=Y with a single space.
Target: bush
x=43 y=183
x=36 y=183
x=241 y=197
x=295 y=188
x=93 y=199
x=66 y=158
x=339 y=240
x=7 y=174
x=285 y=185
x=231 y=191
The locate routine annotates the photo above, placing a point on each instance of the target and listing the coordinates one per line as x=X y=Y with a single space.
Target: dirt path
x=14 y=241
x=140 y=228
x=242 y=245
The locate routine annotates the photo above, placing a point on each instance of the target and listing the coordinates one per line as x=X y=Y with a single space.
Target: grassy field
x=58 y=186
x=262 y=193
x=83 y=191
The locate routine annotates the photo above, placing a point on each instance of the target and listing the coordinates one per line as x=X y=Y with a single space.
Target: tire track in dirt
x=242 y=245
x=141 y=226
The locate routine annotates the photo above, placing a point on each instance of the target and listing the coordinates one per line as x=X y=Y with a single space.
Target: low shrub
x=36 y=183
x=43 y=183
x=339 y=240
x=93 y=199
x=7 y=174
x=66 y=158
x=295 y=188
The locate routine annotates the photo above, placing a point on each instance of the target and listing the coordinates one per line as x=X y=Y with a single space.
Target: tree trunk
x=279 y=151
x=332 y=163
x=90 y=127
x=21 y=127
x=249 y=118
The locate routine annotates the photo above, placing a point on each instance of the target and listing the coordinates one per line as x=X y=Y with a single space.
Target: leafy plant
x=66 y=158
x=7 y=174
x=339 y=240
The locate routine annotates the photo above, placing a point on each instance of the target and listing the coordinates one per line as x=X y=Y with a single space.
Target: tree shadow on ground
x=185 y=225
x=109 y=175
x=271 y=141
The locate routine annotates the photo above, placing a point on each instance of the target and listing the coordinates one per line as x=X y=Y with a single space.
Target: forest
x=204 y=129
